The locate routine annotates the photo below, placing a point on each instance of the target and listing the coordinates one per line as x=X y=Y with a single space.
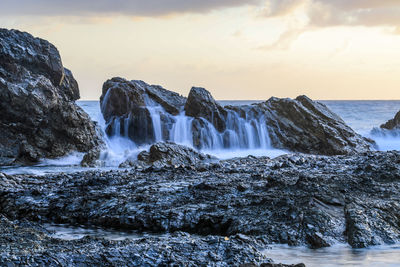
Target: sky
x=237 y=49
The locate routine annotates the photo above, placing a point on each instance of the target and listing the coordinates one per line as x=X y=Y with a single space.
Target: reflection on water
x=338 y=255
x=67 y=232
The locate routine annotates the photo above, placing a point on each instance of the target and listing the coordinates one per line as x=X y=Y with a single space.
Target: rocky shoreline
x=187 y=208
x=295 y=199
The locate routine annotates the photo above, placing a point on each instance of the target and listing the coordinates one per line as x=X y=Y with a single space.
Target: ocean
x=361 y=115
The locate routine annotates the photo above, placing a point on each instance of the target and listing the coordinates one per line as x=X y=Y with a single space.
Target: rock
x=167 y=154
x=39 y=116
x=29 y=244
x=92 y=158
x=306 y=126
x=200 y=104
x=172 y=102
x=126 y=107
x=393 y=124
x=295 y=199
x=146 y=114
x=391 y=128
x=310 y=127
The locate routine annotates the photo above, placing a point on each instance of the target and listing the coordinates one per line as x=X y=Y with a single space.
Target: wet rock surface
x=306 y=126
x=393 y=124
x=125 y=108
x=391 y=128
x=39 y=117
x=167 y=154
x=299 y=125
x=201 y=104
x=24 y=243
x=294 y=199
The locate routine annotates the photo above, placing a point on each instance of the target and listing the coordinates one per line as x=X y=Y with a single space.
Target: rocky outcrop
x=293 y=199
x=307 y=126
x=200 y=104
x=167 y=154
x=393 y=124
x=39 y=118
x=29 y=244
x=125 y=107
x=132 y=109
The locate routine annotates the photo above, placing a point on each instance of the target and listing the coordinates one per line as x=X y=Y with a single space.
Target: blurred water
x=362 y=116
x=337 y=255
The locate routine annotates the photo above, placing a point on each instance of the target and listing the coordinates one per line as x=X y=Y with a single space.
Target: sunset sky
x=237 y=49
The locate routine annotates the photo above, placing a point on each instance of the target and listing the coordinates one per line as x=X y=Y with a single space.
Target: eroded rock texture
x=147 y=114
x=39 y=117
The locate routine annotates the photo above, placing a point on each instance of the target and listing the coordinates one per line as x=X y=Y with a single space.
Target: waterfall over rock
x=147 y=114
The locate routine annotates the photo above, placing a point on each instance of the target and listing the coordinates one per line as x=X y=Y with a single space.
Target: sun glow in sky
x=254 y=49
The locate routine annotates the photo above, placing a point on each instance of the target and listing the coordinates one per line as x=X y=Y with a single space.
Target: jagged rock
x=299 y=125
x=170 y=101
x=307 y=126
x=39 y=117
x=390 y=128
x=201 y=104
x=167 y=154
x=29 y=244
x=294 y=199
x=393 y=124
x=125 y=107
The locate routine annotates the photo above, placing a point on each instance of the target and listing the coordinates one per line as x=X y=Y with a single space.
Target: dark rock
x=172 y=102
x=125 y=107
x=167 y=154
x=392 y=124
x=322 y=201
x=200 y=104
x=119 y=96
x=29 y=244
x=299 y=125
x=391 y=128
x=39 y=117
x=306 y=126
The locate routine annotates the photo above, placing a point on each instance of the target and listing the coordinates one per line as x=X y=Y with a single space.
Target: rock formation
x=39 y=117
x=293 y=199
x=391 y=128
x=393 y=124
x=124 y=105
x=307 y=126
x=167 y=154
x=200 y=104
x=148 y=114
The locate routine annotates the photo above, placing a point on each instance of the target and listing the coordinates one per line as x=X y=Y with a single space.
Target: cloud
x=325 y=13
x=122 y=7
x=354 y=13
x=278 y=8
x=331 y=13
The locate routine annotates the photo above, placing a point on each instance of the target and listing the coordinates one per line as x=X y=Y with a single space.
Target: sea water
x=360 y=115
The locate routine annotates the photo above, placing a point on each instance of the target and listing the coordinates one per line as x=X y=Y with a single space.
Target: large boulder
x=307 y=126
x=126 y=108
x=168 y=154
x=39 y=117
x=201 y=104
